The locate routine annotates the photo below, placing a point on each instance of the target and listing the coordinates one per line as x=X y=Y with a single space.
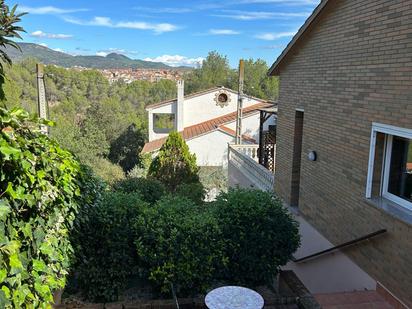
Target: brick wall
x=352 y=68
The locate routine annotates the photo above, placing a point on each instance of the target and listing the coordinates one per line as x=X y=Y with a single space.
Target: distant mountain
x=50 y=56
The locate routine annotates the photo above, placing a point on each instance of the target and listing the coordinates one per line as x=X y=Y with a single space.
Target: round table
x=234 y=297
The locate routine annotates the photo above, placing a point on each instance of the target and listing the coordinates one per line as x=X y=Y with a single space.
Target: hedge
x=260 y=235
x=179 y=243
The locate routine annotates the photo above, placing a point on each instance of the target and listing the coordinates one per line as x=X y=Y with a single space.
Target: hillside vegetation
x=104 y=124
x=50 y=56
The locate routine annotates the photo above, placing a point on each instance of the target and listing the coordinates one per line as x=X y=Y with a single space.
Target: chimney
x=179 y=105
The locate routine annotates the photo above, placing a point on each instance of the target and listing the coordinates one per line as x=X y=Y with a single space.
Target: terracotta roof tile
x=233 y=133
x=205 y=127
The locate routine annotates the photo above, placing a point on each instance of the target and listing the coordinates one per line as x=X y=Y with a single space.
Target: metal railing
x=238 y=156
x=341 y=246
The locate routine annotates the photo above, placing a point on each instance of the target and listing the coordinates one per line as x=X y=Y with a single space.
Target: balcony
x=245 y=171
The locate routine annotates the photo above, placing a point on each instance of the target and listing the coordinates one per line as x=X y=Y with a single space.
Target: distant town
x=130 y=75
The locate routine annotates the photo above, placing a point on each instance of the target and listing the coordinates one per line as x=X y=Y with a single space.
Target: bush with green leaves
x=150 y=190
x=174 y=165
x=38 y=203
x=105 y=252
x=179 y=243
x=259 y=234
x=193 y=191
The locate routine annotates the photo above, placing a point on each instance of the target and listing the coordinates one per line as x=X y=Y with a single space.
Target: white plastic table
x=234 y=297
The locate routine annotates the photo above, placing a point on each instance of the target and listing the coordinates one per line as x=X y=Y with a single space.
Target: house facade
x=207 y=121
x=344 y=133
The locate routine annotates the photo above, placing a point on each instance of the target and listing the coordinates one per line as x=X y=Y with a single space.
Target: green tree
x=8 y=30
x=126 y=148
x=174 y=165
x=257 y=82
x=215 y=71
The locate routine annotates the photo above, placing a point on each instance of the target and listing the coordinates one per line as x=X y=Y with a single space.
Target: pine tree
x=174 y=165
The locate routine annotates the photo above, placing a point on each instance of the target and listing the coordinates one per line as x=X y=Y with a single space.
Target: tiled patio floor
x=352 y=300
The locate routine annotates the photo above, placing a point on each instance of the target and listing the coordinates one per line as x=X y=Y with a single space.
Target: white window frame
x=389 y=131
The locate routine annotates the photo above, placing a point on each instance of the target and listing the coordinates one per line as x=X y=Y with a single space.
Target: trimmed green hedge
x=243 y=237
x=179 y=243
x=259 y=234
x=105 y=253
x=38 y=203
x=151 y=190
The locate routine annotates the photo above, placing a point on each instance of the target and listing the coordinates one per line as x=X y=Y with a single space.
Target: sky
x=173 y=32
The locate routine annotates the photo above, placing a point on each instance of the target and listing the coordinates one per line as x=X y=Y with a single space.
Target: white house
x=207 y=121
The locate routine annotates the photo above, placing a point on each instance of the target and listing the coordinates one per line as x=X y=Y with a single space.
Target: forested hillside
x=105 y=124
x=50 y=56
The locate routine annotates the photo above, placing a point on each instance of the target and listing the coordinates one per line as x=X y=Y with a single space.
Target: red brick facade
x=352 y=67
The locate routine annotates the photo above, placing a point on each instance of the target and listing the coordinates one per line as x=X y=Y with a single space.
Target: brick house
x=344 y=133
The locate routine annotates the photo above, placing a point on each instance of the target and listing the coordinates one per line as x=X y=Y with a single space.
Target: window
x=222 y=98
x=163 y=123
x=392 y=161
x=397 y=185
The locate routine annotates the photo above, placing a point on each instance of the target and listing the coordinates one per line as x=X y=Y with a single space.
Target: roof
x=233 y=133
x=274 y=69
x=207 y=127
x=199 y=93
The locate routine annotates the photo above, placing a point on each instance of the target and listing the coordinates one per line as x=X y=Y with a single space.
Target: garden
x=64 y=229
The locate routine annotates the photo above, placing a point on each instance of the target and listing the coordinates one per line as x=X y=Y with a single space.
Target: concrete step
x=352 y=300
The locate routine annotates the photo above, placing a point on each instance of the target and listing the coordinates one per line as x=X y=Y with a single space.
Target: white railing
x=261 y=177
x=250 y=151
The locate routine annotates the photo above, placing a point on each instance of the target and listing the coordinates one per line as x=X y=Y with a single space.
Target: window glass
x=400 y=172
x=163 y=123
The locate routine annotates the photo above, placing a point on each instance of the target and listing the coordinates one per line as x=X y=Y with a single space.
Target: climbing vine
x=38 y=193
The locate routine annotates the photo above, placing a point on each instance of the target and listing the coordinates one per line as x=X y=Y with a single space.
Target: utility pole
x=41 y=95
x=240 y=103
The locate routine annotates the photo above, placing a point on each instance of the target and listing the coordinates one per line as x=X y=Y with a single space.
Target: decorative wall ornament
x=222 y=98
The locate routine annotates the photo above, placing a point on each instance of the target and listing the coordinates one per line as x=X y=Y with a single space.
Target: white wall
x=199 y=109
x=203 y=108
x=250 y=125
x=210 y=149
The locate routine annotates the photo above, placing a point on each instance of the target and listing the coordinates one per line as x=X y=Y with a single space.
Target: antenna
x=240 y=103
x=41 y=95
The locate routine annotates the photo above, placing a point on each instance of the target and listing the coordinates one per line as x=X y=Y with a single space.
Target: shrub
x=174 y=164
x=151 y=190
x=106 y=256
x=179 y=243
x=141 y=170
x=259 y=235
x=38 y=190
x=108 y=171
x=193 y=191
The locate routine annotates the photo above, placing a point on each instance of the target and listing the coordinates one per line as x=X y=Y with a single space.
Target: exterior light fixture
x=312 y=156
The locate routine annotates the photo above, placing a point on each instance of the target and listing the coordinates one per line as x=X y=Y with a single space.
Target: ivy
x=38 y=192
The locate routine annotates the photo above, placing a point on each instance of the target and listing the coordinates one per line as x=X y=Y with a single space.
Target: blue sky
x=174 y=32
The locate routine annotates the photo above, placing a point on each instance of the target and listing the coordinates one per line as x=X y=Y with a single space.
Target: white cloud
x=41 y=34
x=271 y=36
x=58 y=50
x=43 y=44
x=177 y=60
x=102 y=53
x=250 y=15
x=223 y=32
x=120 y=51
x=43 y=10
x=107 y=22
